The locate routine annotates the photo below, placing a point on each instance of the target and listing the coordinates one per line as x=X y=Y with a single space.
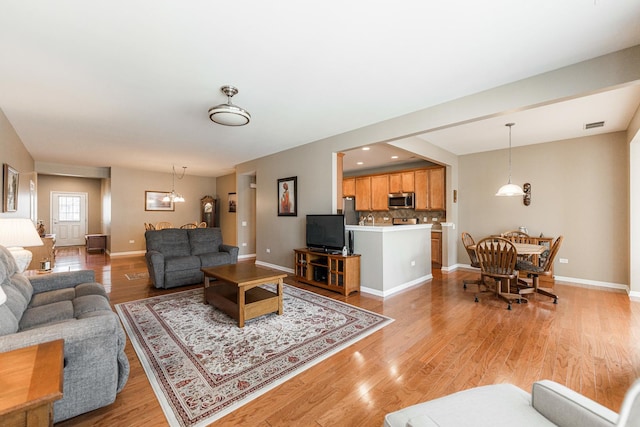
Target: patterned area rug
x=202 y=366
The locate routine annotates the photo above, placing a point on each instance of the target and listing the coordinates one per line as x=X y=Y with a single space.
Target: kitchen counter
x=393 y=257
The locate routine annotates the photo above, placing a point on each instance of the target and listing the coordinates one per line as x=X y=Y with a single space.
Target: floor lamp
x=15 y=233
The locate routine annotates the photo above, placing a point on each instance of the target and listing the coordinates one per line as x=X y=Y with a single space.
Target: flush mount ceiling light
x=173 y=196
x=229 y=114
x=510 y=189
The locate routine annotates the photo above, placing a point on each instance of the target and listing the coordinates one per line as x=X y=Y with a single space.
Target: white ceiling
x=129 y=83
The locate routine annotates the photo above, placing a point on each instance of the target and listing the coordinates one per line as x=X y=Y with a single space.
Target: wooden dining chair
x=148 y=226
x=203 y=224
x=498 y=257
x=533 y=272
x=468 y=242
x=163 y=224
x=189 y=225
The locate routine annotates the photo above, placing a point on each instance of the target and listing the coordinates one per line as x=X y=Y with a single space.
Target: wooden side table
x=96 y=242
x=30 y=381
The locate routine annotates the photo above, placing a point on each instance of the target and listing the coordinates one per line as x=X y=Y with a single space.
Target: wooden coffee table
x=237 y=293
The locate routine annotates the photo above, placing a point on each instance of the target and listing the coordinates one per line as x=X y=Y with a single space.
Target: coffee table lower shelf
x=257 y=301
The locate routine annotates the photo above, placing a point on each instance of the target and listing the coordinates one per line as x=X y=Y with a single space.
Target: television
x=325 y=233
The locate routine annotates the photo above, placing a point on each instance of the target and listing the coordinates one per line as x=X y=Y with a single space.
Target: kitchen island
x=393 y=257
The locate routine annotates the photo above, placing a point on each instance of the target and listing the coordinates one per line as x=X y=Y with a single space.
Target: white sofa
x=549 y=404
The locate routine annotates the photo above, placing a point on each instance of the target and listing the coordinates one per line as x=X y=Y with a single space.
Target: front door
x=69 y=218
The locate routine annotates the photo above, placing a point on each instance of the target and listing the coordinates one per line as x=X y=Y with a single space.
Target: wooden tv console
x=330 y=271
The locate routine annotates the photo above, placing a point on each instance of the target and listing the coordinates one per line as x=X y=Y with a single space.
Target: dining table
x=524 y=248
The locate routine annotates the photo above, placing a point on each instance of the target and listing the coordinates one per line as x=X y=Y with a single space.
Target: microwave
x=401 y=200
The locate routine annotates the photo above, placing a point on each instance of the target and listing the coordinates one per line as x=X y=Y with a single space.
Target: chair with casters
x=468 y=242
x=203 y=224
x=533 y=271
x=498 y=257
x=148 y=226
x=189 y=225
x=163 y=224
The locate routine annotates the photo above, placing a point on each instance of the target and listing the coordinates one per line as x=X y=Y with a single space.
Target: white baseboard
x=247 y=256
x=130 y=253
x=396 y=289
x=275 y=267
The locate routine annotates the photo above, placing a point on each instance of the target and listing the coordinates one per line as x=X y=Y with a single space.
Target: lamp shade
x=18 y=232
x=510 y=190
x=229 y=115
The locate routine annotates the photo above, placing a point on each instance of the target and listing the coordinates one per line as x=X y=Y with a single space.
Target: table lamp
x=16 y=233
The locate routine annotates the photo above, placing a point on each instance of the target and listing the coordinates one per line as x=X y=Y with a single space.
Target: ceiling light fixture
x=510 y=189
x=229 y=114
x=173 y=196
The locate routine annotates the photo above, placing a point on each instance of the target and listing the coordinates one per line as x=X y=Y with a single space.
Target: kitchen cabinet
x=372 y=193
x=348 y=187
x=402 y=182
x=436 y=248
x=363 y=193
x=379 y=193
x=430 y=189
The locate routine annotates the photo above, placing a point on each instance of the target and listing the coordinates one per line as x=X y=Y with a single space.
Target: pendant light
x=173 y=196
x=510 y=189
x=229 y=114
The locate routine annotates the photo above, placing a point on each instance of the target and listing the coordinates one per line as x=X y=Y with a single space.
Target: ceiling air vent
x=593 y=125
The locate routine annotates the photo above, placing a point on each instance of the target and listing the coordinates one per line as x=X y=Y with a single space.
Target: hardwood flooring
x=441 y=342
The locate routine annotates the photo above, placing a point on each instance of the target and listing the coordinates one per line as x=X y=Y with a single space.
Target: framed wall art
x=233 y=202
x=153 y=201
x=287 y=196
x=10 y=189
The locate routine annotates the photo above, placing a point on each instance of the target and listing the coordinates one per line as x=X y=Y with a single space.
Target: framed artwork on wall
x=10 y=189
x=287 y=196
x=153 y=201
x=233 y=202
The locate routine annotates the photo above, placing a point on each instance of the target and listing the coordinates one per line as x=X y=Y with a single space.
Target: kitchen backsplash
x=424 y=217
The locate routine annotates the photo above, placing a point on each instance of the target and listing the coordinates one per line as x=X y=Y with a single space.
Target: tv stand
x=329 y=271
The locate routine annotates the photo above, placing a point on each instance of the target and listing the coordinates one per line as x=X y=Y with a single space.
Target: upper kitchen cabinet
x=402 y=182
x=372 y=193
x=348 y=187
x=430 y=189
x=363 y=193
x=379 y=193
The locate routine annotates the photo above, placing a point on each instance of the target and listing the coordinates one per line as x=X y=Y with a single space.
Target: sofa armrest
x=232 y=250
x=155 y=266
x=50 y=282
x=567 y=408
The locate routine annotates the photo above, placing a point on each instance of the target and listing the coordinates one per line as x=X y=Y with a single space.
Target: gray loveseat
x=72 y=307
x=549 y=404
x=175 y=256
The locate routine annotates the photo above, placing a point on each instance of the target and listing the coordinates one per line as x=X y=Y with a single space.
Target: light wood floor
x=441 y=342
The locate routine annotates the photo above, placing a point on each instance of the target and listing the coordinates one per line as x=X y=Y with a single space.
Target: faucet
x=371 y=219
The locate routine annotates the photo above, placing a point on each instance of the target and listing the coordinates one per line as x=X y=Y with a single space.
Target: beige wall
x=579 y=190
x=91 y=186
x=128 y=208
x=13 y=153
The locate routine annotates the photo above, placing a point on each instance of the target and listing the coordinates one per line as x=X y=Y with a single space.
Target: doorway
x=69 y=217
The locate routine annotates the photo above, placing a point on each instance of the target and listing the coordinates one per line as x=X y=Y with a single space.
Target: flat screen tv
x=325 y=232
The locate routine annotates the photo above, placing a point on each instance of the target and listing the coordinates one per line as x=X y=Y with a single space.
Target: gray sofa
x=549 y=404
x=175 y=256
x=72 y=307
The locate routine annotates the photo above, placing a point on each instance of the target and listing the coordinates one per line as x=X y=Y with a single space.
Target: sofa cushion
x=204 y=240
x=170 y=242
x=16 y=302
x=180 y=263
x=44 y=298
x=46 y=314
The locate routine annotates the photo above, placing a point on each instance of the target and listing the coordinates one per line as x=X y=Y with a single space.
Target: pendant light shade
x=173 y=196
x=229 y=114
x=510 y=189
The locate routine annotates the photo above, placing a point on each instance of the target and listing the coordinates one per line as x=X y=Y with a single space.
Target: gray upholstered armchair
x=72 y=307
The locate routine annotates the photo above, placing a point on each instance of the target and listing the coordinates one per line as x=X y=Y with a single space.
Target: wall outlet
x=413 y=263
x=244 y=244
x=244 y=223
x=132 y=241
x=268 y=250
x=563 y=261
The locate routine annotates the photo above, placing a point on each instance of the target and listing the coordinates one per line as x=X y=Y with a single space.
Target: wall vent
x=593 y=125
